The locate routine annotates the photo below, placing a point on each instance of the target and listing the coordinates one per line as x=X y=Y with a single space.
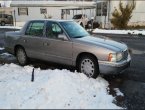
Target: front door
x=57 y=49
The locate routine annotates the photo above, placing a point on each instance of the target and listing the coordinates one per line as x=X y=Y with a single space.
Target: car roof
x=54 y=20
x=79 y=14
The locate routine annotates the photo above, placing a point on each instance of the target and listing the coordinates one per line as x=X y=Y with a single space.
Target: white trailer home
x=104 y=9
x=27 y=10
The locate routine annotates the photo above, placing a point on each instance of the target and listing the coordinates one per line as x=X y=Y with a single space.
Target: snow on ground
x=51 y=89
x=6 y=54
x=118 y=93
x=1 y=48
x=119 y=31
x=10 y=27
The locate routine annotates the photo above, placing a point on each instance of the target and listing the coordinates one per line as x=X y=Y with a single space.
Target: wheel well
x=85 y=54
x=16 y=47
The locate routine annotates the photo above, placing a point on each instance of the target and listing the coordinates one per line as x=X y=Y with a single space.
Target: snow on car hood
x=110 y=44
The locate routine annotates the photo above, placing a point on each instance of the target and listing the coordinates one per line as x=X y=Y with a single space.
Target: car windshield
x=74 y=30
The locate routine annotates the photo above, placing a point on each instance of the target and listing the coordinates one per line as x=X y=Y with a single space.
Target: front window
x=74 y=30
x=53 y=30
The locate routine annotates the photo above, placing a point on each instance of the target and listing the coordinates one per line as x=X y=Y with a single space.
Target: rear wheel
x=89 y=66
x=21 y=56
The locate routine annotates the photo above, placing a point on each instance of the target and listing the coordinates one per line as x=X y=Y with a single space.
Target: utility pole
x=14 y=18
x=109 y=26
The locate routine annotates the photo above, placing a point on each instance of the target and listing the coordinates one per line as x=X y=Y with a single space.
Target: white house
x=27 y=10
x=104 y=9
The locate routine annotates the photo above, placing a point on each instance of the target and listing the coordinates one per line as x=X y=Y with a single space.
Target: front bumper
x=114 y=68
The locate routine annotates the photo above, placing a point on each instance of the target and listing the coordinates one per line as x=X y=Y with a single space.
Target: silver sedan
x=66 y=42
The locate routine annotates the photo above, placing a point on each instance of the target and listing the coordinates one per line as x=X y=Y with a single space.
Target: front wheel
x=89 y=66
x=21 y=56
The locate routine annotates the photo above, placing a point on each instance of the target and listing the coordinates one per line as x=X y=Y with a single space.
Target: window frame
x=23 y=11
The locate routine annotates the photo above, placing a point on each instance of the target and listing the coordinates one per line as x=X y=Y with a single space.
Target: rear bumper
x=114 y=68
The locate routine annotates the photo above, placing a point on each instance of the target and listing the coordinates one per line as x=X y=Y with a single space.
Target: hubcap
x=87 y=67
x=21 y=56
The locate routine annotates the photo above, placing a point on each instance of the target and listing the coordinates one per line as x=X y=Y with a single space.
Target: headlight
x=119 y=56
x=115 y=57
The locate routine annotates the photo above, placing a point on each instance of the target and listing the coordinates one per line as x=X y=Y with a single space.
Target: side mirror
x=62 y=37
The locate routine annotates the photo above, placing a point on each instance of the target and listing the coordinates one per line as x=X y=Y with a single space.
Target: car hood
x=101 y=42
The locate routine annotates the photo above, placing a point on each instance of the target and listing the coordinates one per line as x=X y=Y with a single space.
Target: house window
x=99 y=9
x=43 y=10
x=22 y=11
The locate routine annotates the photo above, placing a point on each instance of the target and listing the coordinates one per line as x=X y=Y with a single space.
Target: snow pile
x=51 y=89
x=119 y=31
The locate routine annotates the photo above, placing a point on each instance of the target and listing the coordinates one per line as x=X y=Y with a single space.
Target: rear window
x=5 y=16
x=35 y=28
x=77 y=17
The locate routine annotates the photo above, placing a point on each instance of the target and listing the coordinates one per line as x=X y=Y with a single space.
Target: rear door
x=33 y=39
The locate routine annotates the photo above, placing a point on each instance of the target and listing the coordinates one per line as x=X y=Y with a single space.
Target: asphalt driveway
x=132 y=82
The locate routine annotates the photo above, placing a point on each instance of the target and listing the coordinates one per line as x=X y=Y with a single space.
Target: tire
x=21 y=56
x=89 y=66
x=3 y=23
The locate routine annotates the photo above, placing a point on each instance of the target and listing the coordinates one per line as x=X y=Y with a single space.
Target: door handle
x=46 y=44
